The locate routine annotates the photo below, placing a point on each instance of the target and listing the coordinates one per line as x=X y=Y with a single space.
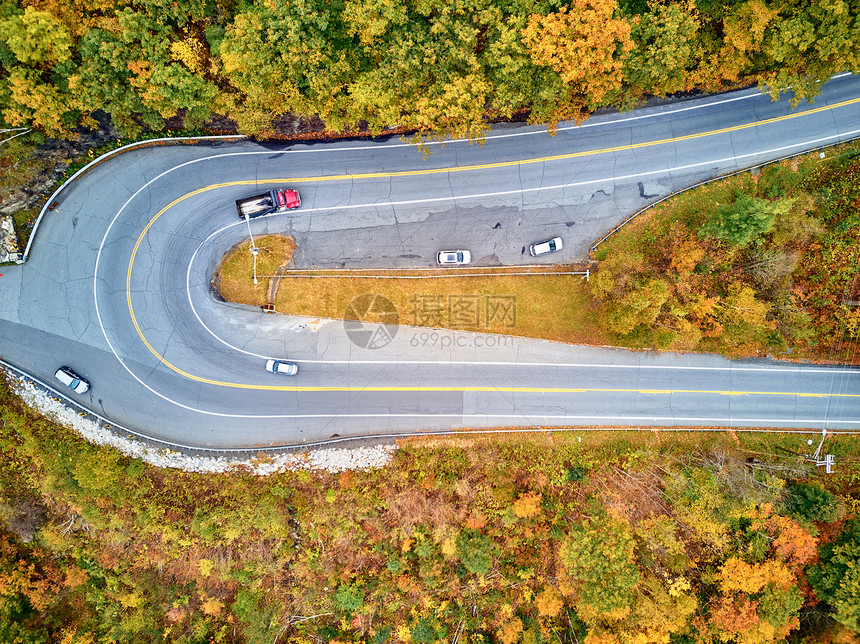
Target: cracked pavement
x=69 y=304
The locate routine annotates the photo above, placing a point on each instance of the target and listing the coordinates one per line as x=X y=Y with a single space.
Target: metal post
x=817 y=453
x=254 y=249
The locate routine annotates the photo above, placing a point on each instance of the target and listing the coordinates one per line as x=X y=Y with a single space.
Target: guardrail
x=586 y=273
x=711 y=180
x=101 y=159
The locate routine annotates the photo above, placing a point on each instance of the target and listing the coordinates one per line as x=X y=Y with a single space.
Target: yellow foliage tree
x=190 y=52
x=527 y=505
x=549 y=602
x=510 y=631
x=738 y=576
x=35 y=103
x=584 y=44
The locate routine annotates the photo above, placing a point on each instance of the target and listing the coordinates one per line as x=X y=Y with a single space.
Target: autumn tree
x=586 y=46
x=759 y=595
x=36 y=56
x=36 y=38
x=30 y=585
x=744 y=29
x=32 y=102
x=639 y=306
x=666 y=48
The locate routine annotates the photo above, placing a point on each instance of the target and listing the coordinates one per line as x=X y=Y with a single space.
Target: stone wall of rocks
x=9 y=251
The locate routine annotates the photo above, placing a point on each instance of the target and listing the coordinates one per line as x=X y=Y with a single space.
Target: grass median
x=762 y=263
x=551 y=306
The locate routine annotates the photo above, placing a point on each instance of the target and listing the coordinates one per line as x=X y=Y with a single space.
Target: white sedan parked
x=455 y=257
x=544 y=247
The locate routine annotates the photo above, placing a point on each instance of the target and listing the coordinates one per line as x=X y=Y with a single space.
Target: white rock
x=329 y=460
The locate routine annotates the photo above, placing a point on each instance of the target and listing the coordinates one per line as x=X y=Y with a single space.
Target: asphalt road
x=117 y=285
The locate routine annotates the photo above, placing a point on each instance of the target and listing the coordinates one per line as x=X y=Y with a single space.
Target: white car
x=544 y=247
x=456 y=257
x=72 y=380
x=282 y=367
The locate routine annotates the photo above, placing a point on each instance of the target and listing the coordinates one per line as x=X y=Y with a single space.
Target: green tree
x=107 y=78
x=813 y=503
x=599 y=558
x=667 y=48
x=428 y=630
x=142 y=71
x=743 y=220
x=475 y=551
x=15 y=625
x=429 y=69
x=349 y=598
x=779 y=606
x=292 y=58
x=836 y=578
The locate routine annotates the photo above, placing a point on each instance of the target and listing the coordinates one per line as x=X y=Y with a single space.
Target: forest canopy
x=446 y=66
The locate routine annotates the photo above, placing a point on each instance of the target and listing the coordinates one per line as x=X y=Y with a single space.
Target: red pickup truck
x=272 y=201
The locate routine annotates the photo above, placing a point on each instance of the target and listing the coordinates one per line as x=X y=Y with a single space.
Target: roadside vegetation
x=765 y=262
x=571 y=537
x=436 y=67
x=761 y=262
x=83 y=75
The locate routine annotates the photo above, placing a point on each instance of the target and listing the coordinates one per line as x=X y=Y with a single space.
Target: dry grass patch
x=234 y=277
x=555 y=307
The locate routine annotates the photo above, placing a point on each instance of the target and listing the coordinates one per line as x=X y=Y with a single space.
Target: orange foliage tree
x=585 y=45
x=759 y=595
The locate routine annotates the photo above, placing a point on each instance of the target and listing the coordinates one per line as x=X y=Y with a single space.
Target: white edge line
x=192 y=161
x=324 y=443
x=456 y=198
x=102 y=158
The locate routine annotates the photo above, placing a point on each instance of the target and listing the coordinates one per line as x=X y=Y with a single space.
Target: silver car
x=456 y=257
x=282 y=367
x=544 y=247
x=72 y=380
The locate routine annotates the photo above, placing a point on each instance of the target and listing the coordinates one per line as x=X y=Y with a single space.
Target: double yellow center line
x=470 y=168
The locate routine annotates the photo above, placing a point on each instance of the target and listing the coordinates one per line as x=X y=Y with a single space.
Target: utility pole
x=827 y=461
